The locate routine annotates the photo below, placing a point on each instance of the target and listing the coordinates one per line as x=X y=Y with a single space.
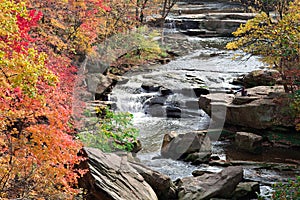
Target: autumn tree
x=151 y=7
x=70 y=27
x=267 y=6
x=167 y=6
x=37 y=151
x=278 y=43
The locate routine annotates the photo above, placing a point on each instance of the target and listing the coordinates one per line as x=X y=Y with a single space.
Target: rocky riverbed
x=164 y=99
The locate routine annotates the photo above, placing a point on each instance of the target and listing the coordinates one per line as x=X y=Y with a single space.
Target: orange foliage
x=37 y=151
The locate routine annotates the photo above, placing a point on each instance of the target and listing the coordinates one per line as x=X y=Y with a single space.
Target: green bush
x=112 y=131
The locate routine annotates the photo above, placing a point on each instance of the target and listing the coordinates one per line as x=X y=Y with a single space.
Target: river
x=209 y=66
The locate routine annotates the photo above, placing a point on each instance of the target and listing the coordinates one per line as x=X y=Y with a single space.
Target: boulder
x=160 y=100
x=207 y=186
x=95 y=65
x=160 y=183
x=179 y=146
x=155 y=110
x=198 y=157
x=246 y=190
x=249 y=142
x=199 y=172
x=150 y=87
x=261 y=78
x=200 y=91
x=111 y=177
x=98 y=83
x=173 y=112
x=258 y=110
x=165 y=91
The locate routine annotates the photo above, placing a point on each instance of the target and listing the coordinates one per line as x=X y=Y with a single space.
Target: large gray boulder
x=221 y=185
x=111 y=177
x=179 y=146
x=249 y=142
x=257 y=110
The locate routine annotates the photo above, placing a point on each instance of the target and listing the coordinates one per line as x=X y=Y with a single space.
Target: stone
x=137 y=146
x=198 y=157
x=246 y=190
x=207 y=186
x=98 y=83
x=201 y=172
x=240 y=100
x=200 y=91
x=179 y=146
x=258 y=110
x=150 y=87
x=155 y=100
x=165 y=91
x=94 y=65
x=160 y=183
x=173 y=112
x=155 y=110
x=249 y=142
x=111 y=177
x=261 y=78
x=222 y=163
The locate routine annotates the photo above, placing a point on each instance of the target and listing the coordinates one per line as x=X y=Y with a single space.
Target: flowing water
x=209 y=66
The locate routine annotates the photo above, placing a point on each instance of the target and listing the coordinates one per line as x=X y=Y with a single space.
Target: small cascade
x=170 y=26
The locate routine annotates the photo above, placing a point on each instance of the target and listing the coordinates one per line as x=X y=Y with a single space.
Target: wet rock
x=160 y=183
x=200 y=91
x=208 y=186
x=198 y=157
x=156 y=110
x=201 y=172
x=150 y=87
x=246 y=191
x=222 y=163
x=113 y=178
x=154 y=106
x=215 y=157
x=137 y=146
x=249 y=142
x=179 y=146
x=160 y=100
x=173 y=112
x=165 y=91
